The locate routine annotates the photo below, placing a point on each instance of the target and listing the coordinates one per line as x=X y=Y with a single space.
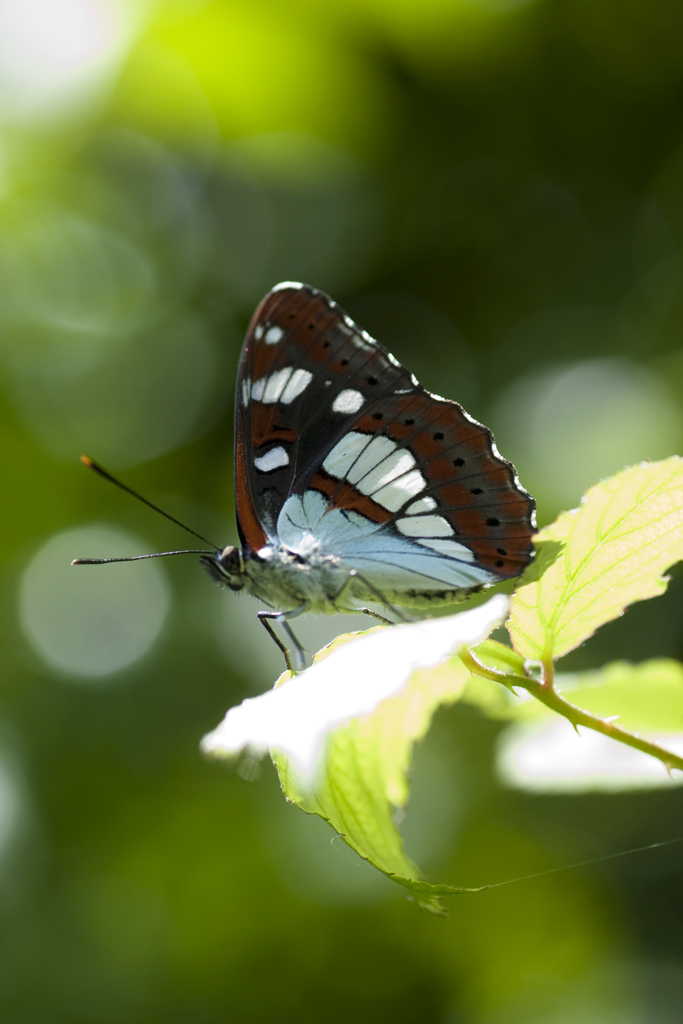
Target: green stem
x=548 y=673
x=553 y=700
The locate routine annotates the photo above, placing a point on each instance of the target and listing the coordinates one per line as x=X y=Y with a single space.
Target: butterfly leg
x=355 y=575
x=375 y=615
x=299 y=661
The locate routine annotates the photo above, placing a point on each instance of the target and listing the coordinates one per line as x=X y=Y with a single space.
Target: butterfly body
x=353 y=483
x=282 y=580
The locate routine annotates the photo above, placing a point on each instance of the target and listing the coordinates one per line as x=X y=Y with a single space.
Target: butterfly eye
x=231 y=560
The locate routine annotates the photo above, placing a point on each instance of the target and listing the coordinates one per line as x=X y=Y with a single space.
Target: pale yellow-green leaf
x=594 y=561
x=648 y=698
x=540 y=750
x=498 y=657
x=342 y=732
x=298 y=718
x=364 y=777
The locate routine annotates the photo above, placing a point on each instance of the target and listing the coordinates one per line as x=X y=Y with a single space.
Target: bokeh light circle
x=92 y=621
x=54 y=52
x=573 y=425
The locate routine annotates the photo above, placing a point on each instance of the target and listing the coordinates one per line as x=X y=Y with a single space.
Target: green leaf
x=541 y=751
x=648 y=698
x=594 y=561
x=348 y=680
x=342 y=732
x=492 y=698
x=499 y=658
x=364 y=778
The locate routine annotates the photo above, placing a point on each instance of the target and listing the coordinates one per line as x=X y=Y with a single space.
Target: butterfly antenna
x=136 y=558
x=96 y=468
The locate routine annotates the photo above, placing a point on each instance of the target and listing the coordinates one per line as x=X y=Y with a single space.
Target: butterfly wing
x=338 y=446
x=292 y=402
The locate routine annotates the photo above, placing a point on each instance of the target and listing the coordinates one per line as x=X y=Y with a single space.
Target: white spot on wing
x=288 y=284
x=423 y=505
x=269 y=389
x=376 y=451
x=276 y=458
x=396 y=464
x=344 y=454
x=258 y=331
x=425 y=526
x=281 y=386
x=246 y=390
x=273 y=335
x=296 y=385
x=348 y=401
x=275 y=385
x=448 y=547
x=363 y=341
x=395 y=494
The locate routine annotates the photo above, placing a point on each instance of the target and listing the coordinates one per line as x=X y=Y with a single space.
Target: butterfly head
x=226 y=567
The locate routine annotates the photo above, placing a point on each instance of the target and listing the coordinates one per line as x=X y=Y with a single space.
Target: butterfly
x=353 y=483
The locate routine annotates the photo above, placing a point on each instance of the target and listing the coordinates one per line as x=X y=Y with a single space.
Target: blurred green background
x=494 y=189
